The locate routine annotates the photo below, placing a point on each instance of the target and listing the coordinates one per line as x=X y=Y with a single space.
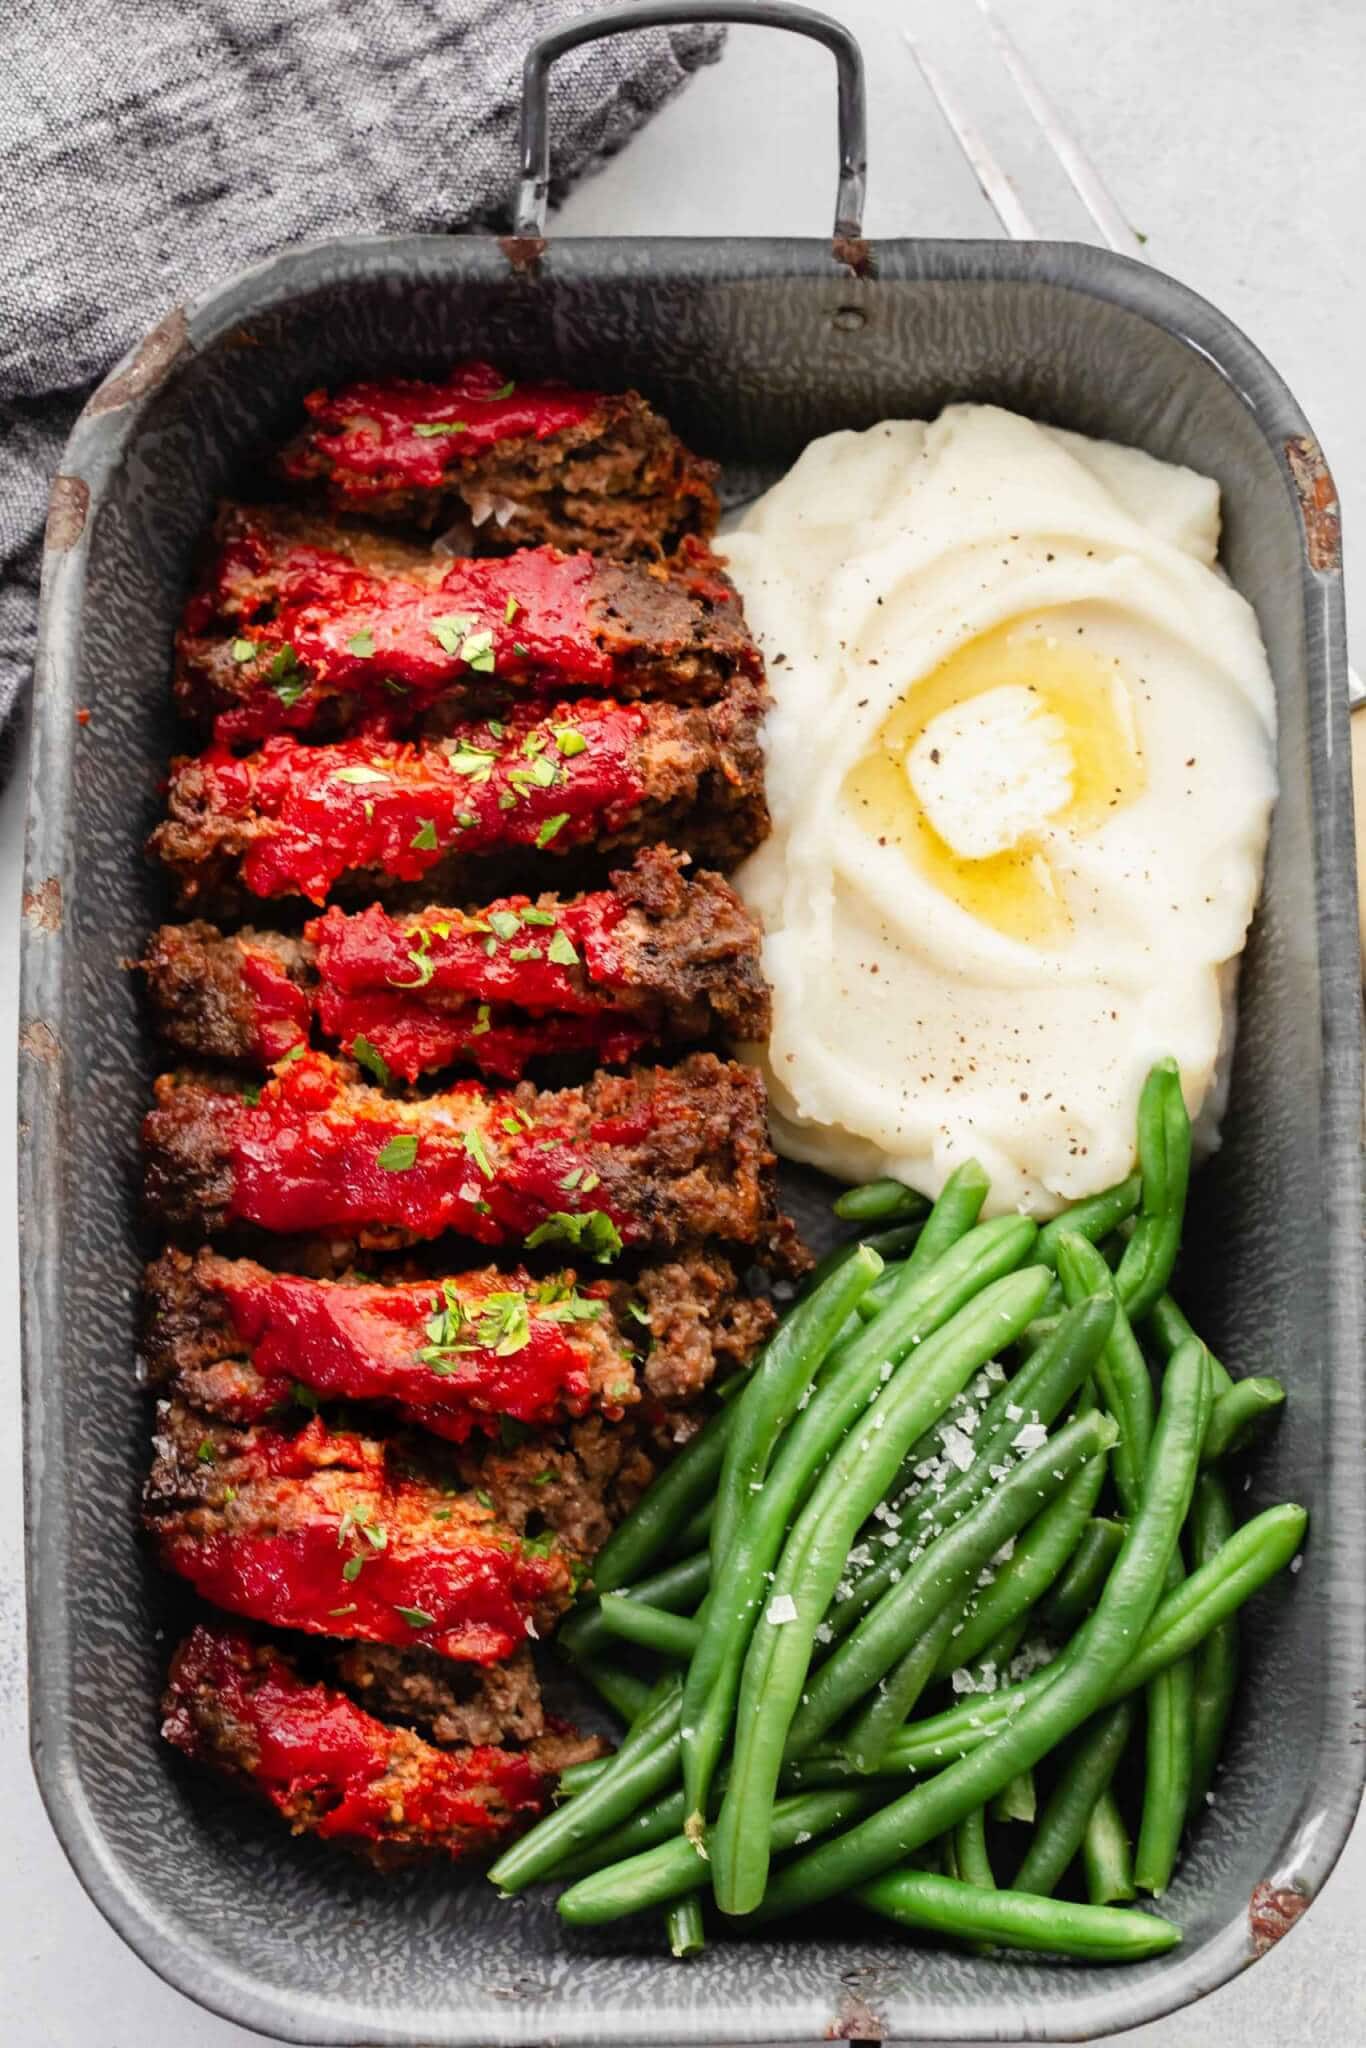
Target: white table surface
x=1233 y=137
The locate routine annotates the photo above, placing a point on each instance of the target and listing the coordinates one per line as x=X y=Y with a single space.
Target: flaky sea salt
x=782 y=1607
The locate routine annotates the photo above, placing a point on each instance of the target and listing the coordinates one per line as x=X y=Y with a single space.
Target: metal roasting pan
x=751 y=348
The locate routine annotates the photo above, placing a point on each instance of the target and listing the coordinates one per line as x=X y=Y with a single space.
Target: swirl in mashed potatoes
x=1021 y=762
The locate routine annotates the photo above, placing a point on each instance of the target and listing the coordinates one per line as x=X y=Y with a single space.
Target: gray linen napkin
x=148 y=148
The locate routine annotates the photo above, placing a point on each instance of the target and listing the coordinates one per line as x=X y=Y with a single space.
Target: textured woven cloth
x=148 y=148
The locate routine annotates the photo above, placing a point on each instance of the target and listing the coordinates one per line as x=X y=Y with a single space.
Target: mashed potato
x=1021 y=766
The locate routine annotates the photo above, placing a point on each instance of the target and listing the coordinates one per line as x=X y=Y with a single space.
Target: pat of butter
x=991 y=771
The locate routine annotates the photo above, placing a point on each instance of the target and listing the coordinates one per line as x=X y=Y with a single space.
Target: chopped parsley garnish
x=593 y=1232
x=485 y=1500
x=285 y=675
x=533 y=916
x=572 y=1178
x=506 y=390
x=570 y=740
x=474 y=1145
x=296 y=1052
x=520 y=953
x=427 y=430
x=206 y=1453
x=551 y=827
x=420 y=955
x=633 y=1308
x=477 y=650
x=251 y=1094
x=399 y=1154
x=543 y=1478
x=577 y=1309
x=518 y=648
x=506 y=923
x=359 y=774
x=449 y=632
x=424 y=840
x=336 y=1612
x=561 y=950
x=361 y=644
x=243 y=650
x=539 y=1546
x=464 y=819
x=477 y=1030
x=476 y=762
x=362 y=1050
x=510 y=611
x=416 y=1617
x=352 y=1569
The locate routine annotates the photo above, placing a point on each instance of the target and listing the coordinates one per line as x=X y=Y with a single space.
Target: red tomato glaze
x=399 y=807
x=398 y=645
x=307 y=1157
x=280 y=1008
x=372 y=1342
x=371 y=429
x=311 y=1743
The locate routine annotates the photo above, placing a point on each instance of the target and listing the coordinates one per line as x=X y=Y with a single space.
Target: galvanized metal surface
x=752 y=348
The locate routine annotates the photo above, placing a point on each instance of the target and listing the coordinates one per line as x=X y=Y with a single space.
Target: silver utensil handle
x=534 y=184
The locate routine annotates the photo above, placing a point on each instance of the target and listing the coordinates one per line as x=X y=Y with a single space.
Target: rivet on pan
x=849 y=319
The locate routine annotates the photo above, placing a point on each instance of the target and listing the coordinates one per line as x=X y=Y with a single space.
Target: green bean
x=1167 y=1766
x=888 y=1244
x=695 y=1533
x=1085 y=1775
x=1106 y=1855
x=1039 y=1555
x=578 y=1777
x=657 y=1516
x=623 y=1692
x=1216 y=1660
x=923 y=1303
x=678 y=1587
x=675 y=1868
x=881 y=1292
x=970 y=1851
x=1041 y=1388
x=880 y=1201
x=1076 y=1692
x=1164 y=1158
x=1077 y=1591
x=669 y=1635
x=814 y=1556
x=1016 y=1799
x=878 y=1663
x=1168 y=1328
x=1239 y=1417
x=683 y=1923
x=955 y=1212
x=1121 y=1370
x=1094 y=1218
x=657 y=1822
x=1207 y=1597
x=938 y=1905
x=776 y=1385
x=643 y=1766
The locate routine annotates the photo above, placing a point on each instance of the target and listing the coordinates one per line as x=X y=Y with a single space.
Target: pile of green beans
x=979 y=1470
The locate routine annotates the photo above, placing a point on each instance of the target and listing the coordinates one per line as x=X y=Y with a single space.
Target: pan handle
x=534 y=184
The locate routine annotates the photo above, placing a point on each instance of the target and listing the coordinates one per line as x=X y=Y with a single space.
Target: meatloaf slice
x=655 y=956
x=372 y=816
x=660 y=1157
x=325 y=1532
x=333 y=1770
x=513 y=464
x=285 y=635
